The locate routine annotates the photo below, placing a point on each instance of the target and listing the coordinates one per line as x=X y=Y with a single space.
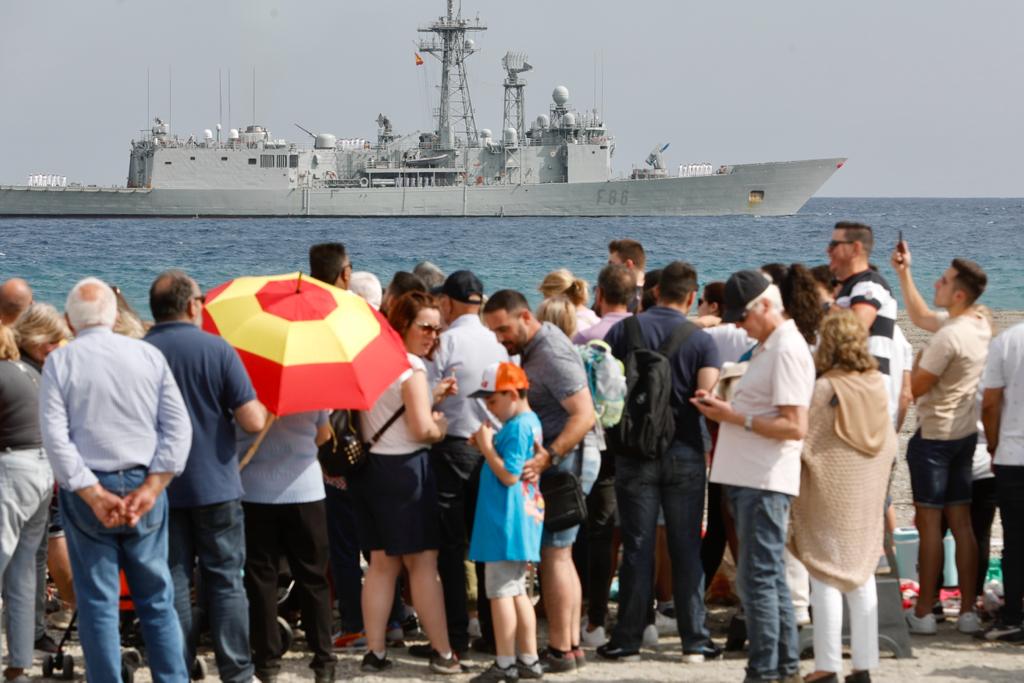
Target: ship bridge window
x=191 y=158
x=293 y=161
x=167 y=163
x=282 y=161
x=266 y=161
x=223 y=158
x=252 y=162
x=756 y=197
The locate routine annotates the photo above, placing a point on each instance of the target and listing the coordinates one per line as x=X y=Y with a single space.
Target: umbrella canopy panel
x=306 y=345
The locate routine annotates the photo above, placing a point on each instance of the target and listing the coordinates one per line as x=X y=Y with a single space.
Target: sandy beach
x=949 y=656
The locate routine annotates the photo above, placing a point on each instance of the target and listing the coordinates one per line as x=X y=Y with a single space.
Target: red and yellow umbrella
x=306 y=345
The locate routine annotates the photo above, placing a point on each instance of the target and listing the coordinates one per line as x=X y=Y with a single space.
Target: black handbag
x=344 y=453
x=565 y=506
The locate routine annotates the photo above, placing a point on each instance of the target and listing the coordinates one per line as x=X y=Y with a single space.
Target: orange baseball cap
x=501 y=377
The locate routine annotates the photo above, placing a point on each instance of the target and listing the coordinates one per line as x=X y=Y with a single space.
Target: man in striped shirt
x=866 y=293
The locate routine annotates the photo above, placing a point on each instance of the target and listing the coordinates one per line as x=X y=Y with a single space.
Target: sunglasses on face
x=835 y=243
x=428 y=328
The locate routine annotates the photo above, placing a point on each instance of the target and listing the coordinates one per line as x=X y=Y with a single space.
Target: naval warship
x=557 y=164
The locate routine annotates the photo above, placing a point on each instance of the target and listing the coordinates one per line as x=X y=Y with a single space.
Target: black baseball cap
x=464 y=286
x=740 y=289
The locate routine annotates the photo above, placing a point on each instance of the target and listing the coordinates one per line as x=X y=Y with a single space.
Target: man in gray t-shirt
x=560 y=395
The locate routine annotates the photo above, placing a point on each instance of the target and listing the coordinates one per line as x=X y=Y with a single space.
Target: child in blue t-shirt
x=509 y=520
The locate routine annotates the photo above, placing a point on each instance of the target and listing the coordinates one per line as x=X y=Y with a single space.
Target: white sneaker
x=650 y=638
x=665 y=625
x=968 y=622
x=922 y=626
x=595 y=638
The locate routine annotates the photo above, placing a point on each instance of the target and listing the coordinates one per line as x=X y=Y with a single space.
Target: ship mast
x=452 y=48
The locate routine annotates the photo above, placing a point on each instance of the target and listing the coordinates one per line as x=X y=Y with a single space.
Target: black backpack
x=648 y=424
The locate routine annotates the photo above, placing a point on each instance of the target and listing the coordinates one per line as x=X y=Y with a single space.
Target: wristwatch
x=748 y=423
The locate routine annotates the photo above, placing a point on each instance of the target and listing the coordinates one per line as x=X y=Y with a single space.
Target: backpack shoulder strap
x=634 y=334
x=678 y=337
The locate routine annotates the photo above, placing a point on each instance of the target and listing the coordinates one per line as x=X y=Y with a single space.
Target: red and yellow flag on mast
x=419 y=60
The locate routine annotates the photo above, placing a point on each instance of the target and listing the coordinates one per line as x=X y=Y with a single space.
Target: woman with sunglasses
x=396 y=494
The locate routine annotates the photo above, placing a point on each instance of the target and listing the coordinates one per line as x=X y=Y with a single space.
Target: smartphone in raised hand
x=901 y=248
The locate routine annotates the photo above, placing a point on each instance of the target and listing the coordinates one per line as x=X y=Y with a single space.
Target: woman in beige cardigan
x=837 y=520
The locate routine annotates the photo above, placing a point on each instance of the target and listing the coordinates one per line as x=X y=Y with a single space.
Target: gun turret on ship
x=558 y=164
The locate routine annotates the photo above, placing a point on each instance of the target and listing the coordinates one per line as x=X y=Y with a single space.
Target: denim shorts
x=587 y=473
x=940 y=471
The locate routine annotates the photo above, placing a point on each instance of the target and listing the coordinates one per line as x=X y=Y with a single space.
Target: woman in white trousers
x=837 y=519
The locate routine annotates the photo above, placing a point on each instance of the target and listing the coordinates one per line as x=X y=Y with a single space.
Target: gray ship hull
x=769 y=189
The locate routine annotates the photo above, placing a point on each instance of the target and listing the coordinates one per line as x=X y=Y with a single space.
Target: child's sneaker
x=374 y=664
x=532 y=671
x=350 y=641
x=449 y=665
x=494 y=674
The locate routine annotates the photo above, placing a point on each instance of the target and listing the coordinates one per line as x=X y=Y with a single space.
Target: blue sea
x=512 y=252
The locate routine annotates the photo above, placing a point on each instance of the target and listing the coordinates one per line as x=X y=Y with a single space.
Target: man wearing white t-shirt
x=1003 y=416
x=758 y=459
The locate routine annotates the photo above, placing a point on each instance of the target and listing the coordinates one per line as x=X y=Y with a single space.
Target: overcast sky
x=925 y=97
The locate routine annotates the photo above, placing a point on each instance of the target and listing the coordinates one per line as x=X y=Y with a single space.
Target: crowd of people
x=759 y=415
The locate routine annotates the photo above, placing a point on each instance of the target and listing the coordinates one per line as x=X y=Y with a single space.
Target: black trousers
x=712 y=546
x=457 y=471
x=298 y=533
x=600 y=531
x=1010 y=488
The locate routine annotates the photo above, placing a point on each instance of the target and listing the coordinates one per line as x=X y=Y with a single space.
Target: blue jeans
x=674 y=482
x=26 y=484
x=97 y=555
x=215 y=536
x=343 y=548
x=762 y=518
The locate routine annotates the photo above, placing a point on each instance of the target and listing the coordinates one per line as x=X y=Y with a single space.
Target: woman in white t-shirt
x=396 y=494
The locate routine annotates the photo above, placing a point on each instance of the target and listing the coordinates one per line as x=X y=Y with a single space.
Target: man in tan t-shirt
x=944 y=383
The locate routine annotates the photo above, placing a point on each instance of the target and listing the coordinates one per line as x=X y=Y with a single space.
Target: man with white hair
x=116 y=431
x=758 y=460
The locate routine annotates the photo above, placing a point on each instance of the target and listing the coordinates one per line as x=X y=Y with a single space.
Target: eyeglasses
x=428 y=328
x=835 y=243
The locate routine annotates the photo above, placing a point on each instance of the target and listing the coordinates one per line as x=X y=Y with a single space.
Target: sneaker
x=968 y=622
x=666 y=626
x=374 y=664
x=410 y=624
x=650 y=636
x=495 y=673
x=594 y=638
x=1001 y=631
x=46 y=644
x=532 y=671
x=618 y=654
x=350 y=641
x=707 y=652
x=580 y=657
x=556 y=663
x=395 y=634
x=858 y=677
x=922 y=626
x=325 y=675
x=446 y=665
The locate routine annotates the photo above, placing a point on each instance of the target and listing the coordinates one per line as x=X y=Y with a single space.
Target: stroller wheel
x=68 y=667
x=48 y=666
x=287 y=635
x=133 y=657
x=127 y=669
x=198 y=669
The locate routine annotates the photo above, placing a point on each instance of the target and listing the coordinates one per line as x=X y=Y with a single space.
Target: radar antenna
x=452 y=48
x=514 y=64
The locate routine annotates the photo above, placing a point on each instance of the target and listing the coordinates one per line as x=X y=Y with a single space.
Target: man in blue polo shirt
x=675 y=482
x=206 y=522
